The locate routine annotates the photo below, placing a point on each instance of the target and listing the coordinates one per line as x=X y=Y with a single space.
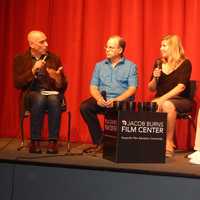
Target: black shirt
x=180 y=75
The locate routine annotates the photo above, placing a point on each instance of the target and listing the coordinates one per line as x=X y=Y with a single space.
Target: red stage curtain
x=77 y=31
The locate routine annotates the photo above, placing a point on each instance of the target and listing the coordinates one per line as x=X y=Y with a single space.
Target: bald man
x=38 y=73
x=114 y=79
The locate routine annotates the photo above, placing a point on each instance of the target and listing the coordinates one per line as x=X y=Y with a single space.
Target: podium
x=135 y=137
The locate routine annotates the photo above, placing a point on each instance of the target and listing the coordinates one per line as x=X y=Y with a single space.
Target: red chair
x=189 y=116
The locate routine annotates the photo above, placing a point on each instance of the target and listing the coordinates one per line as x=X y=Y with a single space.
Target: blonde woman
x=170 y=79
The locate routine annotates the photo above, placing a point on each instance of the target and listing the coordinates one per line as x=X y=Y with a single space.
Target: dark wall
x=52 y=183
x=6 y=181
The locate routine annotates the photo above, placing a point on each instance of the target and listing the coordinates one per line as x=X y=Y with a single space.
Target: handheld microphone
x=44 y=58
x=103 y=94
x=158 y=64
x=38 y=70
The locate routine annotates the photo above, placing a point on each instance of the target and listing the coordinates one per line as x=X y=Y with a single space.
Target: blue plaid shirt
x=114 y=80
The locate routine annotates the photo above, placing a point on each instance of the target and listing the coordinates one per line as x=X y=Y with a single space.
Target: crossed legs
x=89 y=111
x=170 y=109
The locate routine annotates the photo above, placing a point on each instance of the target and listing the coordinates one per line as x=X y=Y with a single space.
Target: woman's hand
x=157 y=72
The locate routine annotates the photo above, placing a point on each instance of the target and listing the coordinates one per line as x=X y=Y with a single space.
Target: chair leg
x=69 y=131
x=22 y=132
x=193 y=124
x=69 y=153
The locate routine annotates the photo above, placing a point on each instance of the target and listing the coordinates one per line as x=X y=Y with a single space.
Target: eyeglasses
x=111 y=48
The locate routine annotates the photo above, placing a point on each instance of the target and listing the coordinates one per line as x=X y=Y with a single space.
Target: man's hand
x=38 y=65
x=101 y=102
x=55 y=74
x=109 y=103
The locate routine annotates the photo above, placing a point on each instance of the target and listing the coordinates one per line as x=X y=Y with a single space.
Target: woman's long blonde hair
x=176 y=51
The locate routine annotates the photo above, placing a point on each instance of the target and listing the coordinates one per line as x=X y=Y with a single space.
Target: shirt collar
x=122 y=60
x=34 y=58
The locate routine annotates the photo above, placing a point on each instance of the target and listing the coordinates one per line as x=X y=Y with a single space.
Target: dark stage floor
x=176 y=166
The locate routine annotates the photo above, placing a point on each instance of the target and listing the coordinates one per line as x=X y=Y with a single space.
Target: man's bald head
x=35 y=36
x=38 y=42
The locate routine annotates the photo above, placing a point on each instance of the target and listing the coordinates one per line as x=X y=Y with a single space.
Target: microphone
x=38 y=70
x=158 y=64
x=44 y=58
x=103 y=94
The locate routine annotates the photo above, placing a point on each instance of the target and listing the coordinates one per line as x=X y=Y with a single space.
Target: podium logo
x=124 y=122
x=110 y=125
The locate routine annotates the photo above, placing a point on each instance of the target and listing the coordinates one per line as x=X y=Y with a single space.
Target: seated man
x=39 y=74
x=114 y=79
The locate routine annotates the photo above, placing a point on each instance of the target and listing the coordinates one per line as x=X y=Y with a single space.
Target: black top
x=180 y=75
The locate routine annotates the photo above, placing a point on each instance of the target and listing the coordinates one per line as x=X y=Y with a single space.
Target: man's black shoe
x=35 y=147
x=52 y=147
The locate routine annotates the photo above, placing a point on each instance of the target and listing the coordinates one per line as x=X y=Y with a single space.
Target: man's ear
x=31 y=44
x=121 y=50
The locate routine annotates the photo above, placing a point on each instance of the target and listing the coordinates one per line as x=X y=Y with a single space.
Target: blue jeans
x=39 y=105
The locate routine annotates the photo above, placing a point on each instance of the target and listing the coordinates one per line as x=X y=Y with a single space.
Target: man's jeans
x=39 y=105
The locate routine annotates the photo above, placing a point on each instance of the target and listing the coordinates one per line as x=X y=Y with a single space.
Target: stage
x=79 y=176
